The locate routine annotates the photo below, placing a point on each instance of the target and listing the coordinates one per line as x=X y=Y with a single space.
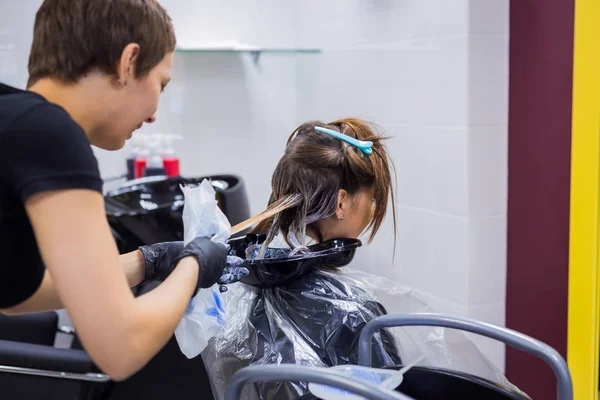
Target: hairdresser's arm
x=46 y=298
x=120 y=332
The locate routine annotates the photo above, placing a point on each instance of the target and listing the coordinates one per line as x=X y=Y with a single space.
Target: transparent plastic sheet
x=205 y=314
x=441 y=347
x=317 y=321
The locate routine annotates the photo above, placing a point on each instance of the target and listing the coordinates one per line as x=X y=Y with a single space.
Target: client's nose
x=151 y=119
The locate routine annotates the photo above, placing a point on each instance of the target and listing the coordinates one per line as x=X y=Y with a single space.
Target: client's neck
x=313 y=233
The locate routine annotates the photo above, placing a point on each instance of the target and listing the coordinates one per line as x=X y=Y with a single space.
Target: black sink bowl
x=149 y=211
x=269 y=273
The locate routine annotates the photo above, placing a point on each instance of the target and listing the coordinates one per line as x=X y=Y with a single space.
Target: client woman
x=323 y=188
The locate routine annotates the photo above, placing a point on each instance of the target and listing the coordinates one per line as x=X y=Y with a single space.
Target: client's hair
x=314 y=168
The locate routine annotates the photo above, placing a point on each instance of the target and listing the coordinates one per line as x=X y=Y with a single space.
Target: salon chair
x=32 y=368
x=430 y=383
x=312 y=375
x=419 y=383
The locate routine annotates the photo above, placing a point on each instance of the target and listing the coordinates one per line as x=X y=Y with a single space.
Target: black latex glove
x=158 y=259
x=211 y=256
x=161 y=258
x=235 y=270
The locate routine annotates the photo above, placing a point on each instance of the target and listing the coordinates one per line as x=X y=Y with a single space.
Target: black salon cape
x=316 y=320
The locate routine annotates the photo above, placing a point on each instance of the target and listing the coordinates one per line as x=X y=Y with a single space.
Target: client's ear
x=343 y=204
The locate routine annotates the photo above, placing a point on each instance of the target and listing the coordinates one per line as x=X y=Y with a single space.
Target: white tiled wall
x=488 y=171
x=16 y=31
x=433 y=74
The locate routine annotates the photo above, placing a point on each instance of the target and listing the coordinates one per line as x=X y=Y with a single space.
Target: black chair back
x=37 y=328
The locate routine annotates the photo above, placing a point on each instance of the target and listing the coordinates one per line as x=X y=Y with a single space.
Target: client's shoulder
x=331 y=284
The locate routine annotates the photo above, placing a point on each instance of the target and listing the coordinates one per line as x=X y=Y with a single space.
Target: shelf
x=243 y=50
x=254 y=51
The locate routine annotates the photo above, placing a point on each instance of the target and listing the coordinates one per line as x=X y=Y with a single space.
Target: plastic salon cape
x=317 y=321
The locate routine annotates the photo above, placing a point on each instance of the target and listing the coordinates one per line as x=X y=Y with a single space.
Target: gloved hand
x=161 y=258
x=211 y=256
x=233 y=272
x=158 y=259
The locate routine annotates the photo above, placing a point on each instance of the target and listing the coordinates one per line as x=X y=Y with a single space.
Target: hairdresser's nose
x=151 y=119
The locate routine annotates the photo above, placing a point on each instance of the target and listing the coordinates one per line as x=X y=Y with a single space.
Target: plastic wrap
x=317 y=321
x=205 y=314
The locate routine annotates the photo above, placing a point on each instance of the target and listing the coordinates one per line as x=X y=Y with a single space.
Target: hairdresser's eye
x=163 y=84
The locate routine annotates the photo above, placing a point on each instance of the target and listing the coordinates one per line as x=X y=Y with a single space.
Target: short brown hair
x=73 y=37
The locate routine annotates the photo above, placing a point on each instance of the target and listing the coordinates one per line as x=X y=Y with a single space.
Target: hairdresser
x=96 y=71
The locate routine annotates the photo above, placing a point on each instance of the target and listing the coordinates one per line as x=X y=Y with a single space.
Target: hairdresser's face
x=133 y=104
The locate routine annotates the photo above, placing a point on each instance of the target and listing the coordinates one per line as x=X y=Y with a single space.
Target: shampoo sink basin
x=269 y=273
x=149 y=211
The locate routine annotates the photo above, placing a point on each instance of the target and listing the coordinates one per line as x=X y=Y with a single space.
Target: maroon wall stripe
x=540 y=87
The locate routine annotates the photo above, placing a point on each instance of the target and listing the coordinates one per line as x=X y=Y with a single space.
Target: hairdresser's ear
x=127 y=62
x=343 y=204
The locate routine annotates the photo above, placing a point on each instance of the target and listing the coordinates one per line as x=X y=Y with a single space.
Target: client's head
x=327 y=188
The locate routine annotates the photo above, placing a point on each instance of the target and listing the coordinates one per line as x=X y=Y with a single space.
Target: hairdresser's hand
x=233 y=272
x=211 y=256
x=158 y=259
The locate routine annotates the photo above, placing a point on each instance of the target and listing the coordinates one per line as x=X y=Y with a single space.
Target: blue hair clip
x=363 y=145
